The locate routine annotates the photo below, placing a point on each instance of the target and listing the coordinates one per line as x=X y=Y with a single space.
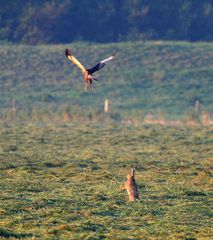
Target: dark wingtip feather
x=67 y=52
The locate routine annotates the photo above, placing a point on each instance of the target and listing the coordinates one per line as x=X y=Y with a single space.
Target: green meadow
x=63 y=181
x=63 y=161
x=162 y=78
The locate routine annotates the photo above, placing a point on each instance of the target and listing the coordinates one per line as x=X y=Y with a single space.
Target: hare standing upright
x=131 y=186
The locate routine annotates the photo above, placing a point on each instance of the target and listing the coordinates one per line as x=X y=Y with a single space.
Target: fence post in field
x=106 y=106
x=14 y=108
x=106 y=110
x=197 y=109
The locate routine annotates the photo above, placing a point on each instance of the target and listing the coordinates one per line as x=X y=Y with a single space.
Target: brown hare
x=131 y=186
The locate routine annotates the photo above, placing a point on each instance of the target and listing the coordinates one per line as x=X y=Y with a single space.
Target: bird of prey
x=87 y=73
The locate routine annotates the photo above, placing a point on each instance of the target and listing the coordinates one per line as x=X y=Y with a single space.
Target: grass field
x=64 y=181
x=159 y=77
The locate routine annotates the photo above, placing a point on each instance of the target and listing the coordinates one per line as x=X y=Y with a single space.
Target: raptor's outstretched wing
x=101 y=64
x=74 y=60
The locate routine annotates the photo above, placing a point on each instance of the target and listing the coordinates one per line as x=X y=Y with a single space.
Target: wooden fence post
x=106 y=106
x=14 y=108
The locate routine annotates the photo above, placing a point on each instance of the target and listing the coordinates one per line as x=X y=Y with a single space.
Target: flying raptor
x=87 y=73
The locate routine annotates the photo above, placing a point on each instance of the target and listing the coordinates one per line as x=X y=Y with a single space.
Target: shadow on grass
x=194 y=193
x=8 y=234
x=88 y=226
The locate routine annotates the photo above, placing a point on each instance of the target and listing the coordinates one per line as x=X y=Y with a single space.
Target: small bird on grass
x=131 y=186
x=87 y=73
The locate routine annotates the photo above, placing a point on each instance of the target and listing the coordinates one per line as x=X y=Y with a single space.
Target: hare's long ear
x=133 y=172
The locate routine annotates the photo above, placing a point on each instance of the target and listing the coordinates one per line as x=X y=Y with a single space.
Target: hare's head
x=132 y=174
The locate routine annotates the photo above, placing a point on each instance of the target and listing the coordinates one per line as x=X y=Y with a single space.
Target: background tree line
x=55 y=21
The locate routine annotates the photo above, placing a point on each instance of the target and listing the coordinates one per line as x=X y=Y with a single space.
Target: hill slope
x=163 y=77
